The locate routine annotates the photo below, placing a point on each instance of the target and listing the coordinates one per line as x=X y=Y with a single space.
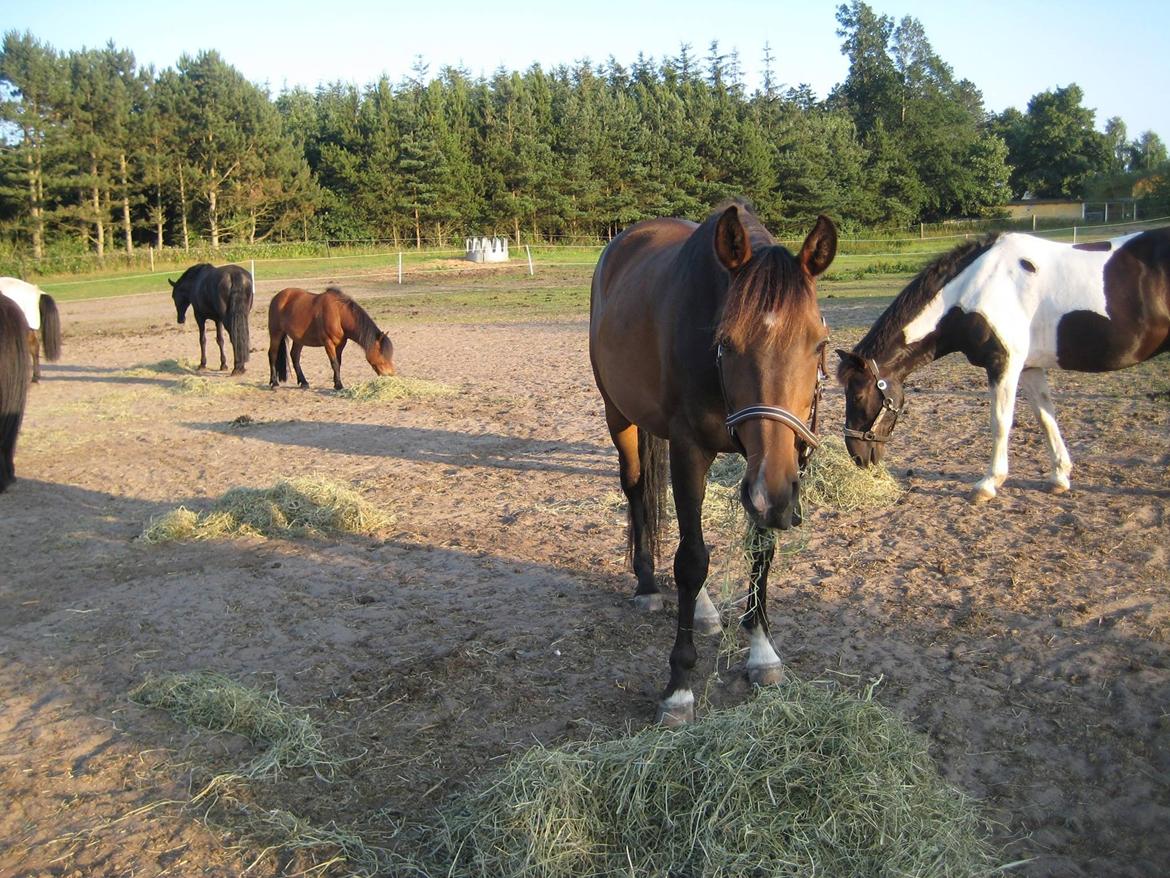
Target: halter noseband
x=806 y=434
x=888 y=406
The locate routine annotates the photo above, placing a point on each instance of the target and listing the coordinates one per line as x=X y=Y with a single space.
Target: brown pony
x=327 y=320
x=15 y=371
x=707 y=339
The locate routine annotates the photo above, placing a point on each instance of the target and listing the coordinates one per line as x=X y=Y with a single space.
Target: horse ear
x=850 y=359
x=171 y=282
x=731 y=240
x=819 y=247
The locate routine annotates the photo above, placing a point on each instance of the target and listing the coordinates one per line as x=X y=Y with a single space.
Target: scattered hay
x=390 y=388
x=293 y=507
x=803 y=780
x=165 y=367
x=832 y=480
x=218 y=703
x=194 y=385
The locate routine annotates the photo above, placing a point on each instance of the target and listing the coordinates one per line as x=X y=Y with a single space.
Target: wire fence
x=369 y=259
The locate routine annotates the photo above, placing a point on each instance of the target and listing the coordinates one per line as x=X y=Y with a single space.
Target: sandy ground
x=1027 y=639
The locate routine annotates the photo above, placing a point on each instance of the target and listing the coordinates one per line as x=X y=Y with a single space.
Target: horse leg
x=202 y=344
x=1035 y=385
x=688 y=470
x=296 y=358
x=274 y=340
x=764 y=667
x=219 y=341
x=334 y=354
x=625 y=440
x=34 y=349
x=1003 y=404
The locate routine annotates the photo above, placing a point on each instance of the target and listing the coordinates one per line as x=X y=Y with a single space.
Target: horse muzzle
x=864 y=453
x=771 y=510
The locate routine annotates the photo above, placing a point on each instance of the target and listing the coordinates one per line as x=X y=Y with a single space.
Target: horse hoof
x=766 y=675
x=678 y=715
x=649 y=602
x=1056 y=488
x=979 y=496
x=708 y=625
x=303 y=385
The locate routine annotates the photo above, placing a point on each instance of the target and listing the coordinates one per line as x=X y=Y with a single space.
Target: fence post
x=400 y=269
x=921 y=231
x=1033 y=222
x=253 y=274
x=528 y=250
x=1074 y=234
x=151 y=248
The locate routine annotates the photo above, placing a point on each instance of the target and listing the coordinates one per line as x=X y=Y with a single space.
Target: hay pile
x=292 y=507
x=194 y=385
x=390 y=388
x=166 y=367
x=801 y=781
x=220 y=704
x=832 y=480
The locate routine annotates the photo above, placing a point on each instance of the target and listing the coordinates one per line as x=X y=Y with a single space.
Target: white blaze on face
x=25 y=295
x=1022 y=285
x=758 y=492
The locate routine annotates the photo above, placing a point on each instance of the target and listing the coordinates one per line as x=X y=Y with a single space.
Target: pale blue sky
x=1119 y=52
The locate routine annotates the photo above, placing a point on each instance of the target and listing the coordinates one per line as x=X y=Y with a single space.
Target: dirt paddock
x=1027 y=639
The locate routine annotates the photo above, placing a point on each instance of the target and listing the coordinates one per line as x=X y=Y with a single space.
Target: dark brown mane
x=772 y=284
x=885 y=333
x=366 y=332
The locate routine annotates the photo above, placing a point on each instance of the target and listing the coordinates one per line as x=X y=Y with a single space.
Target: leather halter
x=806 y=438
x=888 y=407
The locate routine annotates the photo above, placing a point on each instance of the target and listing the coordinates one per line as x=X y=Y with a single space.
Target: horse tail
x=15 y=372
x=654 y=462
x=239 y=304
x=282 y=359
x=50 y=328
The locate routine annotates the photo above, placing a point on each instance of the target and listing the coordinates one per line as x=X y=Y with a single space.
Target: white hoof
x=677 y=710
x=648 y=602
x=981 y=493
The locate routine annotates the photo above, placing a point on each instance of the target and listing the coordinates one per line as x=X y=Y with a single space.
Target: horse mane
x=918 y=293
x=771 y=285
x=366 y=331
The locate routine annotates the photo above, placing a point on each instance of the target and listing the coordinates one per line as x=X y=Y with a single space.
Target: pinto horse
x=1015 y=305
x=42 y=317
x=706 y=339
x=222 y=295
x=15 y=371
x=327 y=320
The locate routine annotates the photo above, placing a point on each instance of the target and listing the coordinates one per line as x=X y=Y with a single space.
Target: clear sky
x=1118 y=52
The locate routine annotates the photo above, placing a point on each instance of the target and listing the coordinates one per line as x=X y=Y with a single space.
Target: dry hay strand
x=301 y=506
x=803 y=780
x=390 y=388
x=194 y=385
x=220 y=704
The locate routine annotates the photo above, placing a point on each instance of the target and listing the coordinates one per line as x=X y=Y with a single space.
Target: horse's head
x=771 y=347
x=182 y=300
x=380 y=355
x=873 y=402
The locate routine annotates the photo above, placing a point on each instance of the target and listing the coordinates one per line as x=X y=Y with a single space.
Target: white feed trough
x=486 y=249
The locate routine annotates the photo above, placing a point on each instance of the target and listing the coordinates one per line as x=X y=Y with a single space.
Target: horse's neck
x=899 y=360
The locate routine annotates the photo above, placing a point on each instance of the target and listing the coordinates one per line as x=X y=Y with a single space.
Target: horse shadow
x=426 y=445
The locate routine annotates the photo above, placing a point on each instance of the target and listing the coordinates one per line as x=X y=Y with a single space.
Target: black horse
x=15 y=371
x=221 y=294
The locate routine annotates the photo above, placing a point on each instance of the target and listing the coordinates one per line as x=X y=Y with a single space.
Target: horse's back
x=26 y=296
x=297 y=313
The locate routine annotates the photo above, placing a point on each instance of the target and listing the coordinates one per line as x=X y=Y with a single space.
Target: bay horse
x=15 y=372
x=706 y=339
x=222 y=295
x=41 y=315
x=1015 y=305
x=327 y=320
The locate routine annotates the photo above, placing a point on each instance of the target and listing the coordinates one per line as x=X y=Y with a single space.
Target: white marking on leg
x=1003 y=404
x=762 y=654
x=679 y=698
x=1035 y=385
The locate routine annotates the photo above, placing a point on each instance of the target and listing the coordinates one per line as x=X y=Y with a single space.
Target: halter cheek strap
x=888 y=407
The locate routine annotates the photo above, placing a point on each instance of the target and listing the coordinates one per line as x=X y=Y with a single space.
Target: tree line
x=99 y=153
